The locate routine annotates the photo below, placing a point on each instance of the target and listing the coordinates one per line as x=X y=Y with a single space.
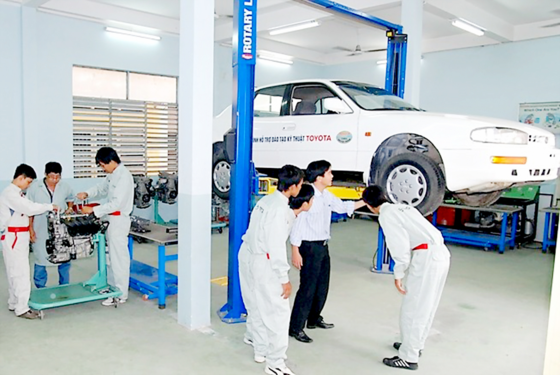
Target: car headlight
x=499 y=135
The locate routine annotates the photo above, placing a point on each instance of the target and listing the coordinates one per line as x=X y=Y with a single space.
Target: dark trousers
x=313 y=284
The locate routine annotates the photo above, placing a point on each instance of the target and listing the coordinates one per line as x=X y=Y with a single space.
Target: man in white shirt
x=118 y=186
x=419 y=253
x=50 y=190
x=263 y=271
x=15 y=210
x=310 y=252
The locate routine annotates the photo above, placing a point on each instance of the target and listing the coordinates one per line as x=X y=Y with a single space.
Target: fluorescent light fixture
x=132 y=33
x=381 y=62
x=293 y=27
x=275 y=57
x=468 y=26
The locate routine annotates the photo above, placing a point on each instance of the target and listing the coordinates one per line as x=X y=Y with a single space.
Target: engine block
x=71 y=236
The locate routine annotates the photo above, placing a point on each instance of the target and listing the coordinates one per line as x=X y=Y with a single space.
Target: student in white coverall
x=48 y=190
x=118 y=187
x=263 y=273
x=419 y=253
x=15 y=210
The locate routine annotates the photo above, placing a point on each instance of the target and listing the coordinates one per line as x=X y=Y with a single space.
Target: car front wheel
x=413 y=179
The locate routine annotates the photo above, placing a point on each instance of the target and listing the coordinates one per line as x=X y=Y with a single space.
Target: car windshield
x=372 y=98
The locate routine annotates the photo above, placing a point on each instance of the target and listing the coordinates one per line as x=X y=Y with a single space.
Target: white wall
x=10 y=90
x=364 y=71
x=53 y=45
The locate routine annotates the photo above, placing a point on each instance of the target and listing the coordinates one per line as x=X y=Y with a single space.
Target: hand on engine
x=82 y=196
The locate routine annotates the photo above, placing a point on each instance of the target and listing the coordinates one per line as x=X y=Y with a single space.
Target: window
x=268 y=101
x=136 y=114
x=372 y=98
x=316 y=100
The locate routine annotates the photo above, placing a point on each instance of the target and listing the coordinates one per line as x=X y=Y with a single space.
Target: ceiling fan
x=222 y=16
x=358 y=50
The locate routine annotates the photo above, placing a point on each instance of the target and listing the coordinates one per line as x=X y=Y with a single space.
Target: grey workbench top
x=158 y=233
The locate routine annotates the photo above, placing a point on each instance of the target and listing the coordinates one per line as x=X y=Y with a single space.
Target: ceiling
x=335 y=38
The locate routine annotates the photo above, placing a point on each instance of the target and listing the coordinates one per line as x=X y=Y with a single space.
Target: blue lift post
x=244 y=59
x=242 y=176
x=396 y=44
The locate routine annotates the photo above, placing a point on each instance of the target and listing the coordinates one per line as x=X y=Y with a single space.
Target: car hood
x=433 y=119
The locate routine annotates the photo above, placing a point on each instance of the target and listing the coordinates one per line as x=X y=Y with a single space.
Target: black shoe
x=320 y=324
x=301 y=336
x=400 y=363
x=397 y=346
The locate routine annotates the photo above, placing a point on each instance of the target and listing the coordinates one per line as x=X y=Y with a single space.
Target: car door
x=323 y=126
x=271 y=129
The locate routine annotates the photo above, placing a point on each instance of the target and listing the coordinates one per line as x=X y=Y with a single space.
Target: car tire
x=478 y=199
x=413 y=179
x=221 y=172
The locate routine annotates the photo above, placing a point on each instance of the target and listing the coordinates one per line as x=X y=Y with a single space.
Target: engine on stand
x=71 y=236
x=143 y=191
x=167 y=187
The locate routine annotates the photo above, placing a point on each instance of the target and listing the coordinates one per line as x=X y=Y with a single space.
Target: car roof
x=317 y=80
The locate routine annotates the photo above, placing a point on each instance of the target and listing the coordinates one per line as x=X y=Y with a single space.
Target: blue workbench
x=550 y=220
x=484 y=240
x=151 y=281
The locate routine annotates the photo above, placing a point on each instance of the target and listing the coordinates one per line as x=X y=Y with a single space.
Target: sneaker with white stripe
x=278 y=371
x=400 y=363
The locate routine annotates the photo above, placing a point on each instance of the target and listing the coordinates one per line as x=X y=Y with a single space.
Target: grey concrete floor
x=492 y=320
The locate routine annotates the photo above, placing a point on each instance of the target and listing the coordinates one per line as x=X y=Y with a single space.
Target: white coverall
x=263 y=268
x=15 y=210
x=405 y=228
x=119 y=189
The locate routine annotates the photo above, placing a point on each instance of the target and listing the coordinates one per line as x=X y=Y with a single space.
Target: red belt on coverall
x=15 y=230
x=116 y=213
x=422 y=246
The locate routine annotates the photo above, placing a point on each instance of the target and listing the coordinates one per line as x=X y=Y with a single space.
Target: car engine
x=167 y=187
x=71 y=236
x=143 y=191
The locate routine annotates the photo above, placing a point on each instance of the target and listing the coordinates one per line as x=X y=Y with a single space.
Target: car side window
x=316 y=100
x=268 y=101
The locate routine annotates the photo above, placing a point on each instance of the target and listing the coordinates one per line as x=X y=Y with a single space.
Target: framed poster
x=543 y=115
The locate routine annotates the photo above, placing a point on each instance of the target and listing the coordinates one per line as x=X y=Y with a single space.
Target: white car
x=371 y=136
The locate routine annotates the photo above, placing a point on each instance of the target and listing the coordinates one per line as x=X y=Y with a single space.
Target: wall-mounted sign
x=543 y=115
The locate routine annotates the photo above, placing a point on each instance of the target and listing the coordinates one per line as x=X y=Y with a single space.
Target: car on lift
x=371 y=136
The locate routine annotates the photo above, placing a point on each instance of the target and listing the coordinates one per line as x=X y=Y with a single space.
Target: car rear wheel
x=221 y=172
x=413 y=179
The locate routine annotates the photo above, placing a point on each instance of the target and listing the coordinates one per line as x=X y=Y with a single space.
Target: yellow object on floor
x=268 y=185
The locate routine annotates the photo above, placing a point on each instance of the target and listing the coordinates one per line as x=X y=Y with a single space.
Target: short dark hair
x=305 y=195
x=106 y=155
x=53 y=167
x=289 y=175
x=374 y=196
x=316 y=169
x=26 y=171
